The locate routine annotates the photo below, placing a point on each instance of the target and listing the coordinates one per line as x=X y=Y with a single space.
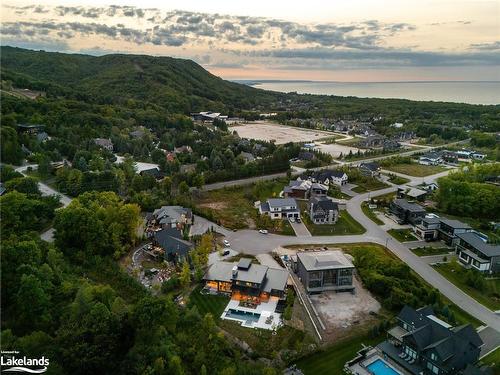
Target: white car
x=226 y=243
x=263 y=231
x=292 y=220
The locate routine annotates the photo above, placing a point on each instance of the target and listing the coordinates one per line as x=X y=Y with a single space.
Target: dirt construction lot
x=342 y=310
x=268 y=131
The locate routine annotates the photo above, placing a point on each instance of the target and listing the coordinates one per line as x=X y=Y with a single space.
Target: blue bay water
x=458 y=92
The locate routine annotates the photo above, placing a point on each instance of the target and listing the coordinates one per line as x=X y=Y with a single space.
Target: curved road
x=251 y=242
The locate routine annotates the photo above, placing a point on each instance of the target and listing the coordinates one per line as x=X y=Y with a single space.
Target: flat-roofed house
x=475 y=253
x=407 y=212
x=427 y=229
x=280 y=208
x=245 y=280
x=449 y=229
x=325 y=270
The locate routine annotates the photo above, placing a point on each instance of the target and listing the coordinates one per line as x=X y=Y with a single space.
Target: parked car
x=225 y=252
x=226 y=243
x=263 y=231
x=297 y=220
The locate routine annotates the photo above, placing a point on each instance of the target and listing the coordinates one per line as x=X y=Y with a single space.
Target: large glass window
x=410 y=352
x=330 y=277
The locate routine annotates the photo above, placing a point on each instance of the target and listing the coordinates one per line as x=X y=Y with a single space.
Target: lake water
x=458 y=92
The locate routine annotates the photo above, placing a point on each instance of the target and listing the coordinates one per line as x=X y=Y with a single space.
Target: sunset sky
x=340 y=40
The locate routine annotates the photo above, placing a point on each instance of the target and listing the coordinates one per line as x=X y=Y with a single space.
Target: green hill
x=177 y=85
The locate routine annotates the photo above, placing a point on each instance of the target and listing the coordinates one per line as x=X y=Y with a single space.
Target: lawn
x=426 y=251
x=398 y=180
x=207 y=303
x=370 y=185
x=234 y=207
x=415 y=169
x=344 y=225
x=371 y=214
x=402 y=235
x=489 y=296
x=493 y=360
x=332 y=359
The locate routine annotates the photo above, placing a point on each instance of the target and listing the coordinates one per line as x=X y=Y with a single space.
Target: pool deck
x=360 y=368
x=265 y=309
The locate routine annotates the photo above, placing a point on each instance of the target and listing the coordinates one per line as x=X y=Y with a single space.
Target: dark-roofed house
x=154 y=172
x=427 y=229
x=280 y=208
x=247 y=156
x=171 y=216
x=475 y=253
x=322 y=210
x=171 y=241
x=370 y=169
x=104 y=143
x=449 y=229
x=372 y=141
x=330 y=176
x=423 y=344
x=406 y=212
x=246 y=281
x=325 y=270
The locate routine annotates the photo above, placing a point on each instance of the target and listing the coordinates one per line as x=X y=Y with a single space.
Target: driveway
x=300 y=229
x=202 y=225
x=491 y=340
x=268 y=260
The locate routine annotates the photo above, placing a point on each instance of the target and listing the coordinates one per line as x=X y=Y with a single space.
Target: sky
x=336 y=40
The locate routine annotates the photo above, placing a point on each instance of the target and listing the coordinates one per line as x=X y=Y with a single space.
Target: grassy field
x=344 y=225
x=234 y=207
x=493 y=360
x=371 y=214
x=205 y=303
x=402 y=235
x=426 y=251
x=414 y=169
x=333 y=359
x=490 y=297
x=397 y=180
x=349 y=142
x=370 y=185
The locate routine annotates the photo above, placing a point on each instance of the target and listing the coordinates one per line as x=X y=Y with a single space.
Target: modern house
x=406 y=212
x=104 y=143
x=207 y=116
x=257 y=292
x=322 y=210
x=431 y=158
x=427 y=229
x=280 y=208
x=245 y=280
x=449 y=230
x=370 y=169
x=475 y=253
x=421 y=343
x=170 y=240
x=325 y=270
x=171 y=216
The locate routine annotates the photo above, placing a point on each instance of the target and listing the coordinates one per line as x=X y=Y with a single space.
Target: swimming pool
x=248 y=317
x=379 y=367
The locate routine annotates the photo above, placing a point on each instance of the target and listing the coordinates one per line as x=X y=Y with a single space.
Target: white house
x=280 y=208
x=431 y=158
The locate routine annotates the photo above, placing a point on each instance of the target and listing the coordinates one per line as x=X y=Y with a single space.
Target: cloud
x=493 y=46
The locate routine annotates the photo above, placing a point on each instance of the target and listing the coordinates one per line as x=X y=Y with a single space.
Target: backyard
x=368 y=184
x=345 y=224
x=234 y=207
x=402 y=235
x=487 y=291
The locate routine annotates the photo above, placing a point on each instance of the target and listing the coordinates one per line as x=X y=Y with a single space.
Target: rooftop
x=412 y=207
x=475 y=241
x=457 y=224
x=321 y=260
x=282 y=202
